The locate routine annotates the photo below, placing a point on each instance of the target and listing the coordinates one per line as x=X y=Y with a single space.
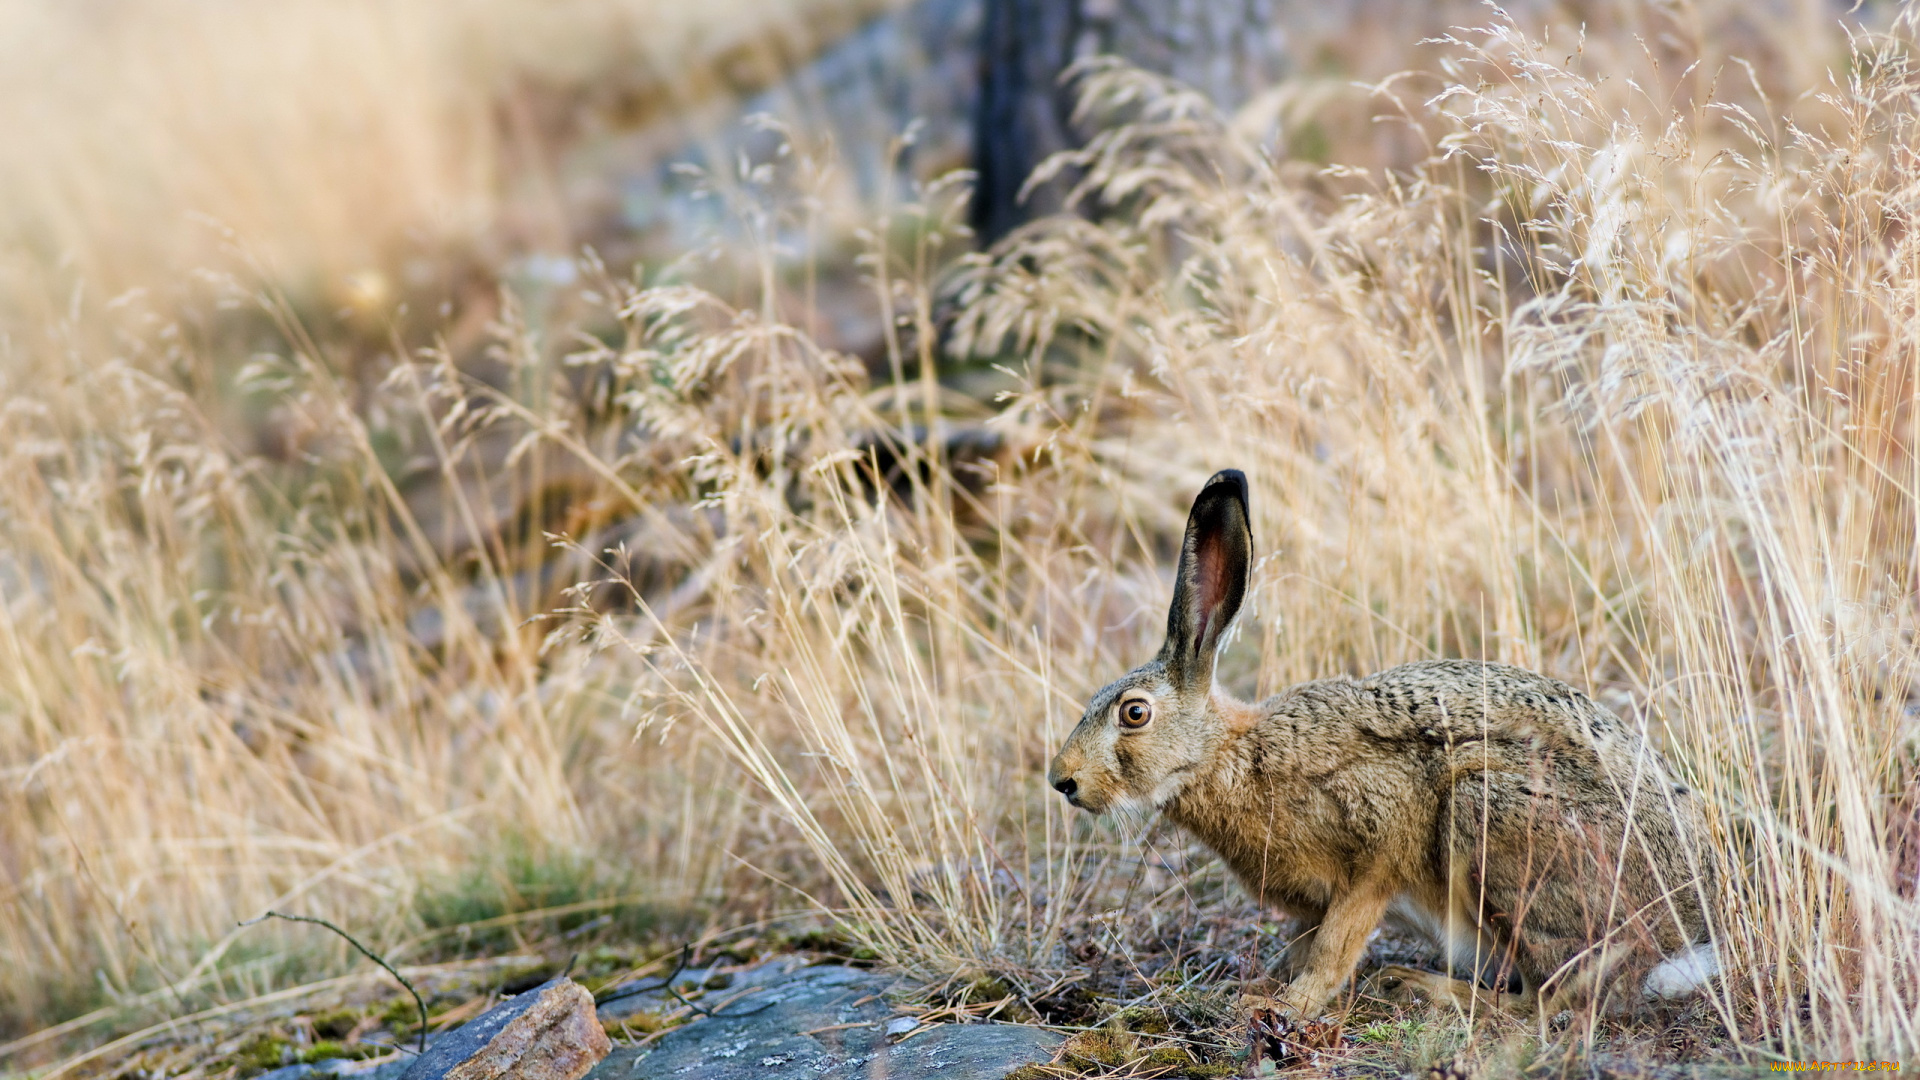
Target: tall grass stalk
x=1618 y=384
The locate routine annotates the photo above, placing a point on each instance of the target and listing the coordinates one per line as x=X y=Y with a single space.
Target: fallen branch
x=364 y=951
x=686 y=955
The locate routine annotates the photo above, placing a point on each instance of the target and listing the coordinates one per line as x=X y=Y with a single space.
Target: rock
x=900 y=1025
x=622 y=1002
x=547 y=1033
x=825 y=1023
x=962 y=1052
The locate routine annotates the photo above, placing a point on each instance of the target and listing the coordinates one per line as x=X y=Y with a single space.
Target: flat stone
x=547 y=1033
x=961 y=1052
x=823 y=1023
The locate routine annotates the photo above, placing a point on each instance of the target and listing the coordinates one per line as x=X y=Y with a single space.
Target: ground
x=805 y=1005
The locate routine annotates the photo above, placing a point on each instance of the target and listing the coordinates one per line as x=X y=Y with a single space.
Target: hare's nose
x=1066 y=787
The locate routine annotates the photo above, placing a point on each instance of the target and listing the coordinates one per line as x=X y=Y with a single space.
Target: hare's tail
x=1683 y=972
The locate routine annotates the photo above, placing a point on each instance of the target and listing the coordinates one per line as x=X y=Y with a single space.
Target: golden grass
x=1617 y=383
x=335 y=137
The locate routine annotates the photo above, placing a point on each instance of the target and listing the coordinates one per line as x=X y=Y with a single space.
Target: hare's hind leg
x=1478 y=963
x=1539 y=873
x=1460 y=993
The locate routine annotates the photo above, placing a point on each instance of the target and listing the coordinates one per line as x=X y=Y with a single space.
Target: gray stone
x=962 y=1052
x=823 y=1023
x=623 y=1004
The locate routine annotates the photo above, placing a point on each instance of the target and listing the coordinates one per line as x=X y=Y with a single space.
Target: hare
x=1537 y=839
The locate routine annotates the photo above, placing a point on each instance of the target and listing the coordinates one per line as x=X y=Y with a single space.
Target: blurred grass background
x=344 y=341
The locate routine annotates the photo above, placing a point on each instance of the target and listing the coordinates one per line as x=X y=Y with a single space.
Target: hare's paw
x=1301 y=1001
x=1404 y=983
x=1396 y=983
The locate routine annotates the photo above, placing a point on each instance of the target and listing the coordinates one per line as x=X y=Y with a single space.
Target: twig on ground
x=666 y=984
x=364 y=951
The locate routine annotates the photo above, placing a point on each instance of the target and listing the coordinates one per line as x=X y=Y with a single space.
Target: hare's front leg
x=1336 y=945
x=1299 y=950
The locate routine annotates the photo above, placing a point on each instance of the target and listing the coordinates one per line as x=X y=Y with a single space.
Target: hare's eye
x=1135 y=714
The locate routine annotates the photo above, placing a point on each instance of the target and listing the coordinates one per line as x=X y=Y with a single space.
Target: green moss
x=1094 y=1053
x=335 y=1023
x=1144 y=1020
x=261 y=1052
x=330 y=1051
x=401 y=1016
x=1177 y=1061
x=323 y=1051
x=1029 y=1072
x=1165 y=1056
x=1102 y=1049
x=985 y=990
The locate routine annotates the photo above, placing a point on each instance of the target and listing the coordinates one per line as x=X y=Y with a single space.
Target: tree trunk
x=1227 y=49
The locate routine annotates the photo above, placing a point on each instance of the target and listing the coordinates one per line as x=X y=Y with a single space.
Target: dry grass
x=337 y=137
x=1615 y=380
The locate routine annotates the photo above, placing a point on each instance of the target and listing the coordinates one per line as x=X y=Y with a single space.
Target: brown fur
x=1520 y=823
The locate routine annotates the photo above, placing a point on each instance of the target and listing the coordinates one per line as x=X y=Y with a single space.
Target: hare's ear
x=1214 y=562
